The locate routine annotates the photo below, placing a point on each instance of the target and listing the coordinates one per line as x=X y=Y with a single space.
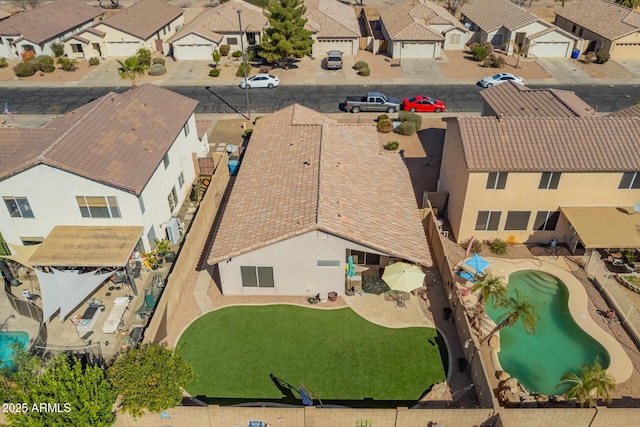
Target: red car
x=423 y=104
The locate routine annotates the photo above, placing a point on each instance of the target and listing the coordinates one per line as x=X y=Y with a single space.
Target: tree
x=216 y=56
x=520 y=52
x=77 y=395
x=454 y=5
x=632 y=4
x=487 y=288
x=517 y=308
x=131 y=68
x=285 y=38
x=592 y=384
x=150 y=377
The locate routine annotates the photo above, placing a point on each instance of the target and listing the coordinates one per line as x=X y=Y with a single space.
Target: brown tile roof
x=632 y=111
x=556 y=144
x=145 y=18
x=491 y=15
x=512 y=100
x=610 y=20
x=410 y=20
x=96 y=32
x=202 y=126
x=330 y=18
x=46 y=22
x=129 y=133
x=302 y=172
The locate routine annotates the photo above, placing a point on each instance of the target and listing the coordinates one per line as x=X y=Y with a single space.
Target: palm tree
x=517 y=308
x=487 y=288
x=518 y=51
x=633 y=4
x=131 y=68
x=592 y=384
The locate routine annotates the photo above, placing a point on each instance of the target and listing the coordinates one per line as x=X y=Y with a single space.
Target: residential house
x=334 y=26
x=147 y=24
x=602 y=26
x=220 y=26
x=310 y=192
x=36 y=29
x=632 y=111
x=501 y=22
x=534 y=179
x=420 y=29
x=121 y=160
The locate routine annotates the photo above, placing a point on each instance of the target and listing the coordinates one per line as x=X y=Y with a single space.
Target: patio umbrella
x=403 y=277
x=477 y=263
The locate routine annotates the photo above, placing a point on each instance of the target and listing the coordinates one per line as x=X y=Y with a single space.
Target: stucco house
x=34 y=30
x=147 y=24
x=500 y=22
x=304 y=200
x=219 y=26
x=334 y=26
x=122 y=160
x=602 y=26
x=420 y=29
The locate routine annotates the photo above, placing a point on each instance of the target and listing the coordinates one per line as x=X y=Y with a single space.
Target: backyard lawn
x=236 y=351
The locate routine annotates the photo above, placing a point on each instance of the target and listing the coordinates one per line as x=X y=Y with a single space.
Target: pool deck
x=620 y=367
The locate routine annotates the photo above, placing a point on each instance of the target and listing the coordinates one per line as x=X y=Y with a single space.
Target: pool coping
x=620 y=366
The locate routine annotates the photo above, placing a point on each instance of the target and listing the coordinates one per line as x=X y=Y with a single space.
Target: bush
x=479 y=51
x=57 y=49
x=144 y=56
x=4 y=63
x=405 y=116
x=214 y=73
x=494 y=61
x=25 y=69
x=602 y=57
x=265 y=69
x=384 y=126
x=382 y=117
x=67 y=64
x=242 y=69
x=224 y=49
x=28 y=55
x=157 y=70
x=45 y=64
x=158 y=61
x=590 y=57
x=247 y=133
x=629 y=255
x=498 y=246
x=475 y=247
x=364 y=72
x=359 y=65
x=94 y=60
x=391 y=145
x=407 y=128
x=236 y=54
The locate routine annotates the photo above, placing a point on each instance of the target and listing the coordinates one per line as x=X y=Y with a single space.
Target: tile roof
x=491 y=15
x=202 y=126
x=632 y=111
x=129 y=133
x=303 y=171
x=46 y=22
x=512 y=100
x=145 y=18
x=559 y=144
x=610 y=20
x=330 y=18
x=411 y=20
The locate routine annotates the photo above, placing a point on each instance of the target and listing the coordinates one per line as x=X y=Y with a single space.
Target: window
x=141 y=204
x=166 y=160
x=30 y=241
x=454 y=40
x=186 y=129
x=181 y=180
x=546 y=220
x=76 y=48
x=257 y=277
x=151 y=236
x=172 y=198
x=98 y=206
x=517 y=220
x=232 y=40
x=580 y=32
x=573 y=28
x=488 y=220
x=630 y=181
x=549 y=180
x=496 y=180
x=321 y=263
x=18 y=207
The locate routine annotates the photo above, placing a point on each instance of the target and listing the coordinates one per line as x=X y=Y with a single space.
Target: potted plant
x=162 y=246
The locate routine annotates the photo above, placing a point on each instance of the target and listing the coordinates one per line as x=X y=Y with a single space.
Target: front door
x=520 y=39
x=159 y=46
x=251 y=38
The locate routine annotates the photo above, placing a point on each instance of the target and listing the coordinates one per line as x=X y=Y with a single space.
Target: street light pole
x=244 y=64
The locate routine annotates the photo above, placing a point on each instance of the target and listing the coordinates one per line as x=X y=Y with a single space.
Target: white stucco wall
x=294 y=262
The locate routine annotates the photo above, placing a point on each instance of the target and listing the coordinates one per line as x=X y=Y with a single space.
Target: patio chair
x=151 y=297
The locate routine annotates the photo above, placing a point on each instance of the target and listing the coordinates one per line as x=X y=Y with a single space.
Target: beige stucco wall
x=602 y=44
x=618 y=50
x=464 y=37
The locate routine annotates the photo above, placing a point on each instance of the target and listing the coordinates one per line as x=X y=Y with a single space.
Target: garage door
x=418 y=50
x=550 y=50
x=324 y=46
x=193 y=51
x=626 y=50
x=122 y=49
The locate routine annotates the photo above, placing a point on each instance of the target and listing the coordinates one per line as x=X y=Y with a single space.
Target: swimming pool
x=6 y=349
x=559 y=345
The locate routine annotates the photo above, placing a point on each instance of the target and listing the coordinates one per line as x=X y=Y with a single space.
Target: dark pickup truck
x=374 y=101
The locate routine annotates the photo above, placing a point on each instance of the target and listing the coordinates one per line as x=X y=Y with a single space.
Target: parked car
x=500 y=78
x=261 y=80
x=334 y=60
x=423 y=104
x=373 y=101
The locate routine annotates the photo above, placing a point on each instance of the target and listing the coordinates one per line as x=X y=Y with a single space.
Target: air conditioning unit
x=173 y=230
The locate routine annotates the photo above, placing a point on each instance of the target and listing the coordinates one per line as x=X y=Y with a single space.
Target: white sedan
x=500 y=78
x=261 y=80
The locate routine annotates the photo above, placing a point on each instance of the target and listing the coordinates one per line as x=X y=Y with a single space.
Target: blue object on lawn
x=305 y=397
x=466 y=275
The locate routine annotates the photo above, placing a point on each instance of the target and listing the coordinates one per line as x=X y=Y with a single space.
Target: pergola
x=604 y=227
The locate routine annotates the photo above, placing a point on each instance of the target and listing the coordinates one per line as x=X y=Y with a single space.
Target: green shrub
x=247 y=133
x=407 y=128
x=57 y=49
x=236 y=54
x=384 y=126
x=479 y=51
x=4 y=63
x=364 y=72
x=157 y=70
x=45 y=64
x=498 y=246
x=382 y=117
x=24 y=69
x=216 y=56
x=214 y=73
x=494 y=61
x=94 y=60
x=405 y=116
x=256 y=119
x=67 y=64
x=590 y=57
x=629 y=255
x=602 y=57
x=158 y=61
x=391 y=145
x=242 y=69
x=360 y=65
x=224 y=49
x=476 y=246
x=144 y=56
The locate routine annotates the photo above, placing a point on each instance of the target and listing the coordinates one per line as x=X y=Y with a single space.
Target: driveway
x=564 y=71
x=419 y=70
x=631 y=65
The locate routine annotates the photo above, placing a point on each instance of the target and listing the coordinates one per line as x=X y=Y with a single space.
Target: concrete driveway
x=631 y=65
x=418 y=70
x=564 y=71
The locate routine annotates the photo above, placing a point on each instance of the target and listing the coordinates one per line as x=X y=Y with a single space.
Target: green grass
x=335 y=353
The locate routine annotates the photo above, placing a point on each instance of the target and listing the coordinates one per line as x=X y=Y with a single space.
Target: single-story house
x=602 y=26
x=309 y=193
x=34 y=30
x=219 y=26
x=147 y=24
x=501 y=22
x=334 y=26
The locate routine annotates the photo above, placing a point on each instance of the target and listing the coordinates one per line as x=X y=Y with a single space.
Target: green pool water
x=559 y=345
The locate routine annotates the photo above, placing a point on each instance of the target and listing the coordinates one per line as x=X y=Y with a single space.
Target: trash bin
x=234 y=164
x=575 y=53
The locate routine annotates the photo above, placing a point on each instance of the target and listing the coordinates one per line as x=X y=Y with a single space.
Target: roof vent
x=340 y=165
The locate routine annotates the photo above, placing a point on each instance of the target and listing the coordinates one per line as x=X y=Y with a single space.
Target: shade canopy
x=21 y=254
x=403 y=277
x=605 y=227
x=478 y=263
